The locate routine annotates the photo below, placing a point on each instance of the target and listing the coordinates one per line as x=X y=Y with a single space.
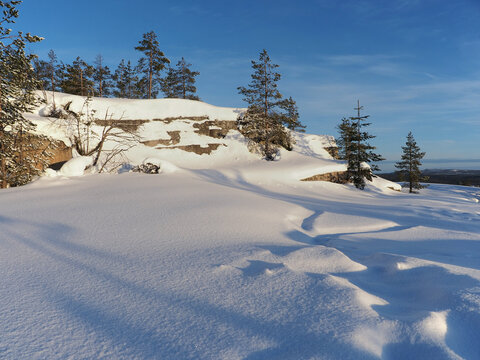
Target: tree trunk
x=184 y=80
x=266 y=125
x=3 y=161
x=81 y=82
x=53 y=87
x=150 y=75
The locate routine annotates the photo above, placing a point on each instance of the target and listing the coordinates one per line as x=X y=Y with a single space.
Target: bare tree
x=104 y=139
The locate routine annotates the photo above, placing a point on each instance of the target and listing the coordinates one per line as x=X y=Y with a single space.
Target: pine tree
x=49 y=74
x=53 y=70
x=40 y=67
x=360 y=151
x=179 y=82
x=78 y=78
x=409 y=166
x=101 y=76
x=125 y=80
x=263 y=122
x=151 y=64
x=20 y=159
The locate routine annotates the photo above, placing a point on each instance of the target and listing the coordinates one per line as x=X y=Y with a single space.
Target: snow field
x=229 y=257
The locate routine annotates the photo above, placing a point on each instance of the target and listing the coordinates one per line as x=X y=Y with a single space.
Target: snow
x=226 y=256
x=76 y=166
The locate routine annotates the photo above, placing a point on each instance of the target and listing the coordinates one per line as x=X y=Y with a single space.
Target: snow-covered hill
x=226 y=256
x=193 y=135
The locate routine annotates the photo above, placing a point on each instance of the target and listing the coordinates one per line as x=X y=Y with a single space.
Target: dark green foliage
x=409 y=166
x=263 y=123
x=49 y=74
x=179 y=82
x=20 y=160
x=40 y=67
x=78 y=78
x=290 y=118
x=151 y=65
x=356 y=150
x=345 y=131
x=102 y=77
x=125 y=81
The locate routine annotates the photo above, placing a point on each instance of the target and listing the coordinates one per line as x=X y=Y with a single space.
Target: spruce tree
x=151 y=64
x=169 y=84
x=125 y=80
x=179 y=82
x=101 y=76
x=20 y=158
x=263 y=123
x=360 y=152
x=409 y=166
x=345 y=130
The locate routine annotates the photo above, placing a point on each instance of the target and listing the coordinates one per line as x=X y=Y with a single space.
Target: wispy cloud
x=376 y=64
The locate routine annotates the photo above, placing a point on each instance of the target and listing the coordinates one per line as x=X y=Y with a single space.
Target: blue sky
x=413 y=64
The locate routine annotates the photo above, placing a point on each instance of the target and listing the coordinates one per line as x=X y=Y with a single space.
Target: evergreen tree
x=101 y=76
x=151 y=64
x=345 y=134
x=409 y=166
x=179 y=82
x=125 y=80
x=54 y=71
x=290 y=118
x=49 y=74
x=40 y=68
x=169 y=84
x=358 y=152
x=77 y=78
x=263 y=123
x=20 y=160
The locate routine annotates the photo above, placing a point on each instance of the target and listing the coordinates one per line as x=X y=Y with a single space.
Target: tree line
x=267 y=123
x=151 y=75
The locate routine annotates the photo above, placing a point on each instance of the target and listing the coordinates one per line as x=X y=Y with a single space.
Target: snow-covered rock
x=76 y=166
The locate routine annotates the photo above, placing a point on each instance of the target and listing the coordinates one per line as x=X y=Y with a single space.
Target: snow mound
x=165 y=166
x=76 y=166
x=321 y=260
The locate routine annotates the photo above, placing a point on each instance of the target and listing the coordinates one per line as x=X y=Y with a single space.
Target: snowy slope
x=227 y=256
x=162 y=117
x=206 y=265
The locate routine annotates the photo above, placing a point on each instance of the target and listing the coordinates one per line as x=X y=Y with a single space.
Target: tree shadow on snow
x=172 y=324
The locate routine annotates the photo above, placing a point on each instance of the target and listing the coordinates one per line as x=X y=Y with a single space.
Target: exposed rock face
x=215 y=128
x=201 y=125
x=197 y=149
x=333 y=151
x=339 y=177
x=174 y=140
x=168 y=120
x=125 y=125
x=60 y=152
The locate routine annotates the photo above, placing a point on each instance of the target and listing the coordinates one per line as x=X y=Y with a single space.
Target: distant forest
x=444 y=176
